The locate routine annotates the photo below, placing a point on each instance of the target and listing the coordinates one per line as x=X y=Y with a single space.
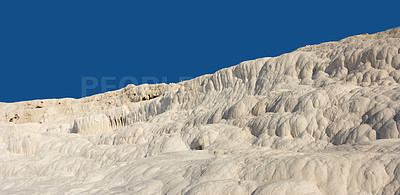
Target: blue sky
x=49 y=48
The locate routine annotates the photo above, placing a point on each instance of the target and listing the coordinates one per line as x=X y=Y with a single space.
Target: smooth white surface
x=323 y=119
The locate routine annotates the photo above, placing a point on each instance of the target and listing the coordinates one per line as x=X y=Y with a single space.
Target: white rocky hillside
x=324 y=119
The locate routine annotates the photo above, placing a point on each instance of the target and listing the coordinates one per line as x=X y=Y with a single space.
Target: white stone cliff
x=324 y=119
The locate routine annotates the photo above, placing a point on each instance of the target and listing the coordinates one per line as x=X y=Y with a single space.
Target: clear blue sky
x=47 y=47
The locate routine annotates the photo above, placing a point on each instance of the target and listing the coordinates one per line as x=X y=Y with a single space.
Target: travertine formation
x=324 y=119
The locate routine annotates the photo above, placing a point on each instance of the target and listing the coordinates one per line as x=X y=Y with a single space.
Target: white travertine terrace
x=324 y=119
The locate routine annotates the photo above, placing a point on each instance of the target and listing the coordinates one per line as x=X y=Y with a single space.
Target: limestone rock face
x=324 y=119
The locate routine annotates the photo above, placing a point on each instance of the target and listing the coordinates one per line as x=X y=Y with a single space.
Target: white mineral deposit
x=324 y=119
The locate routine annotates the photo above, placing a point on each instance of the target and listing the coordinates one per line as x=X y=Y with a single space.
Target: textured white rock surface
x=324 y=119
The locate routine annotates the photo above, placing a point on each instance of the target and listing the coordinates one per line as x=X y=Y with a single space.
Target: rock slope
x=324 y=119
